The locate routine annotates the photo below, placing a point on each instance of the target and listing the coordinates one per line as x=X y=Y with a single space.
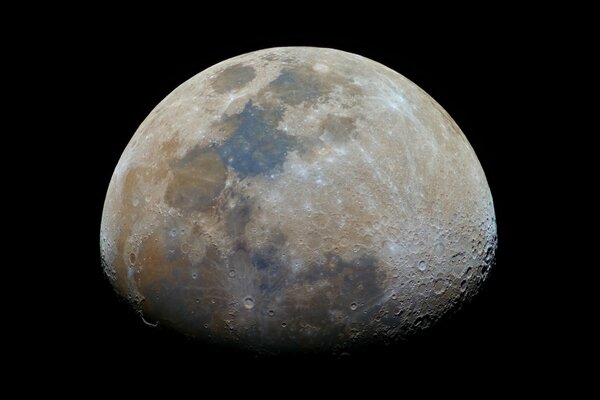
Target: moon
x=298 y=199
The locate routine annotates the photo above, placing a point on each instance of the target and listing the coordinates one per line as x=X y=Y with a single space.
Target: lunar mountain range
x=301 y=199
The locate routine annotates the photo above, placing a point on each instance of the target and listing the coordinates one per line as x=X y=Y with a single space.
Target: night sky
x=117 y=79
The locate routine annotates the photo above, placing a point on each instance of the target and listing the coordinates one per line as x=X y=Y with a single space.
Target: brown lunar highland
x=298 y=199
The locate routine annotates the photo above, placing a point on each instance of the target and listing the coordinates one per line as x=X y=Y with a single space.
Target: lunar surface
x=300 y=199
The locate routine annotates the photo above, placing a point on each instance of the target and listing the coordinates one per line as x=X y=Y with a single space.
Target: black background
x=481 y=77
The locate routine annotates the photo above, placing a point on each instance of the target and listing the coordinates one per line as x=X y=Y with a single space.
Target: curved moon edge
x=298 y=199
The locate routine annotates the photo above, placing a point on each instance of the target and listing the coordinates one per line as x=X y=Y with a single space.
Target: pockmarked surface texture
x=298 y=199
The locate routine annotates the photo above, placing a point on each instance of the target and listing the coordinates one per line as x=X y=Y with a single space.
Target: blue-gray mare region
x=256 y=146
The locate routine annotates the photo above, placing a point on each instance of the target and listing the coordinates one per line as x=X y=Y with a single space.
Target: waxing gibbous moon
x=298 y=199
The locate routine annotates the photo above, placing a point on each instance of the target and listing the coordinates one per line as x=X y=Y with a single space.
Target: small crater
x=271 y=313
x=353 y=306
x=422 y=265
x=185 y=248
x=440 y=287
x=283 y=324
x=484 y=269
x=249 y=303
x=132 y=258
x=469 y=273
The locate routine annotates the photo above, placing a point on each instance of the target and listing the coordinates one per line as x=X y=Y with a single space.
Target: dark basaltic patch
x=297 y=84
x=198 y=179
x=234 y=77
x=350 y=281
x=338 y=128
x=354 y=280
x=270 y=262
x=294 y=86
x=256 y=146
x=328 y=298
